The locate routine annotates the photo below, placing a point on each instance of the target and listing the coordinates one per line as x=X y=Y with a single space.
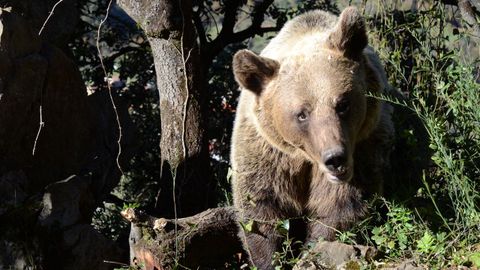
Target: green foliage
x=287 y=256
x=397 y=233
x=130 y=205
x=430 y=244
x=425 y=62
x=107 y=220
x=346 y=237
x=475 y=259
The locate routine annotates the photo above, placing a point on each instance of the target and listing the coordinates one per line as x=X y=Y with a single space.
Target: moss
x=352 y=265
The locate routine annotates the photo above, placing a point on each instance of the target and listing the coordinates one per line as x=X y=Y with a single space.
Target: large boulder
x=58 y=148
x=37 y=79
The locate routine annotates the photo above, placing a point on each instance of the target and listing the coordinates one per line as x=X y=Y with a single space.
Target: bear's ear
x=253 y=72
x=349 y=35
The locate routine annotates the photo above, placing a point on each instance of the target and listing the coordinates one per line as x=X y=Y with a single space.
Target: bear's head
x=313 y=102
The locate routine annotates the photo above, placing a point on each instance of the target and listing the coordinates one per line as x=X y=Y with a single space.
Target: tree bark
x=181 y=85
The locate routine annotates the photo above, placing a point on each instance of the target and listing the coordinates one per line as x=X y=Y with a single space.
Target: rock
x=335 y=255
x=53 y=176
x=63 y=202
x=89 y=249
x=67 y=208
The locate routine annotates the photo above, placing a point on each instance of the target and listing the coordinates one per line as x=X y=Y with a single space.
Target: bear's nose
x=335 y=161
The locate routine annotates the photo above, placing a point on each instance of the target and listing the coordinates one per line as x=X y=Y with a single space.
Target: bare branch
x=230 y=17
x=227 y=37
x=259 y=13
x=41 y=125
x=200 y=30
x=49 y=16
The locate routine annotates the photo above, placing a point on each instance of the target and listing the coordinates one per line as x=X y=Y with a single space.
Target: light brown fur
x=318 y=68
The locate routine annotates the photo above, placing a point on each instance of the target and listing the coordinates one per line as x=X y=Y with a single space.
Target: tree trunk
x=184 y=153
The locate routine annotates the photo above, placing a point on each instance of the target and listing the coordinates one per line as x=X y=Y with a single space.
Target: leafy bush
x=424 y=56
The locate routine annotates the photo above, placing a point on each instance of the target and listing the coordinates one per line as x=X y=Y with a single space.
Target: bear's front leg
x=332 y=207
x=320 y=229
x=261 y=242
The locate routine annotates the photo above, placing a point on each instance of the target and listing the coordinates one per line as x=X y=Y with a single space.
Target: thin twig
x=42 y=123
x=110 y=88
x=117 y=263
x=40 y=127
x=49 y=15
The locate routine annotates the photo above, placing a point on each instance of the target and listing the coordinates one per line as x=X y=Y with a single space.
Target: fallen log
x=204 y=241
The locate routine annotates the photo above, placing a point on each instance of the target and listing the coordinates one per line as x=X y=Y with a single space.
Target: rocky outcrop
x=58 y=147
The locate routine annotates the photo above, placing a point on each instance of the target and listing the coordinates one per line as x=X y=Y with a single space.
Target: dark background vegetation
x=430 y=49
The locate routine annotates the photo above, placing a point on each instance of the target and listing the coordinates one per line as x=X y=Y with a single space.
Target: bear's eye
x=343 y=106
x=302 y=116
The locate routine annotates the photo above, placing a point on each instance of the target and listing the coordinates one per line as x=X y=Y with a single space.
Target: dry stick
x=110 y=88
x=117 y=263
x=49 y=15
x=41 y=125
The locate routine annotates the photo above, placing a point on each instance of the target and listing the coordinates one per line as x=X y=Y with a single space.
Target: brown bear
x=308 y=141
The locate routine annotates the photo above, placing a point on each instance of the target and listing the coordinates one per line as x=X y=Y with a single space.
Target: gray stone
x=334 y=255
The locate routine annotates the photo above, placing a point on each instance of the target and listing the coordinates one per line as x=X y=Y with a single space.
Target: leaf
x=376 y=231
x=391 y=244
x=248 y=227
x=426 y=243
x=283 y=226
x=379 y=240
x=286 y=224
x=475 y=259
x=229 y=174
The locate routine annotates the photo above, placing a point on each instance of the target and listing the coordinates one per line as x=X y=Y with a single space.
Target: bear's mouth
x=340 y=177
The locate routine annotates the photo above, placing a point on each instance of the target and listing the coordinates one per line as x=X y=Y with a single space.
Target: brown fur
x=303 y=100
